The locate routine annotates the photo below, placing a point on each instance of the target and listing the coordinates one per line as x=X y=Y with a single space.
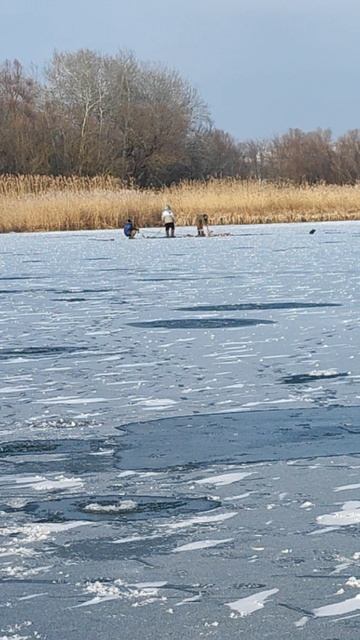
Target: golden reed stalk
x=43 y=203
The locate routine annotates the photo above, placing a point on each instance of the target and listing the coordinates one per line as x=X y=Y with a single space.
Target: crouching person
x=130 y=230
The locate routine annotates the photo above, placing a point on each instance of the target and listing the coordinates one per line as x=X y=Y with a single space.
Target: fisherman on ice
x=130 y=230
x=168 y=220
x=202 y=222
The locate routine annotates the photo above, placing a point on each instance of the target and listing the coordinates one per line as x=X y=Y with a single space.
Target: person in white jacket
x=168 y=220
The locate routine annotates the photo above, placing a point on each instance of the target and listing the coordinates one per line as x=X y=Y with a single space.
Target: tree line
x=93 y=114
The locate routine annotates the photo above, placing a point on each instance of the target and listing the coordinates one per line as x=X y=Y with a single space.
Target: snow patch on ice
x=239 y=497
x=41 y=530
x=125 y=505
x=142 y=593
x=41 y=483
x=136 y=538
x=160 y=403
x=190 y=522
x=347 y=487
x=349 y=515
x=302 y=622
x=20 y=572
x=225 y=478
x=338 y=608
x=324 y=530
x=201 y=544
x=306 y=505
x=323 y=373
x=246 y=606
x=353 y=582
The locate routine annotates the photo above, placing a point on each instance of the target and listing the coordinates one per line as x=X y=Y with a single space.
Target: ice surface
x=233 y=493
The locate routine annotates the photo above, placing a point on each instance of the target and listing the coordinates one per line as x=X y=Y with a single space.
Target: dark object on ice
x=259 y=306
x=200 y=323
x=39 y=352
x=312 y=231
x=303 y=378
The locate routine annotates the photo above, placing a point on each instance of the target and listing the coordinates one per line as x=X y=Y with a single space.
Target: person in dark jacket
x=130 y=230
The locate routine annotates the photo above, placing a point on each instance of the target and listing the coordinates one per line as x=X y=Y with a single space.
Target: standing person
x=200 y=221
x=130 y=230
x=168 y=220
x=206 y=224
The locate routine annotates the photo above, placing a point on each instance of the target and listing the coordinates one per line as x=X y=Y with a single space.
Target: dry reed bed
x=41 y=203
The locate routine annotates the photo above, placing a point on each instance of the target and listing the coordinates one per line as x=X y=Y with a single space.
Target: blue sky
x=261 y=65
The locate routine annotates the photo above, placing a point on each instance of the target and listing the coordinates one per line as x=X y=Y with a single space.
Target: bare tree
x=21 y=121
x=347 y=157
x=77 y=84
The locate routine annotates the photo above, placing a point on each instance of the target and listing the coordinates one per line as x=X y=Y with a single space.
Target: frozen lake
x=179 y=435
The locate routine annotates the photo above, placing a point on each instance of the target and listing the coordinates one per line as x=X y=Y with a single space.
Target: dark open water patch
x=6 y=291
x=38 y=352
x=185 y=278
x=200 y=323
x=28 y=277
x=303 y=378
x=114 y=269
x=117 y=507
x=26 y=291
x=70 y=299
x=67 y=445
x=78 y=291
x=169 y=279
x=244 y=437
x=180 y=443
x=261 y=306
x=41 y=290
x=26 y=447
x=70 y=455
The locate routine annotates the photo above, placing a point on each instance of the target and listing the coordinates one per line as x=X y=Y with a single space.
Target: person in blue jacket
x=130 y=230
